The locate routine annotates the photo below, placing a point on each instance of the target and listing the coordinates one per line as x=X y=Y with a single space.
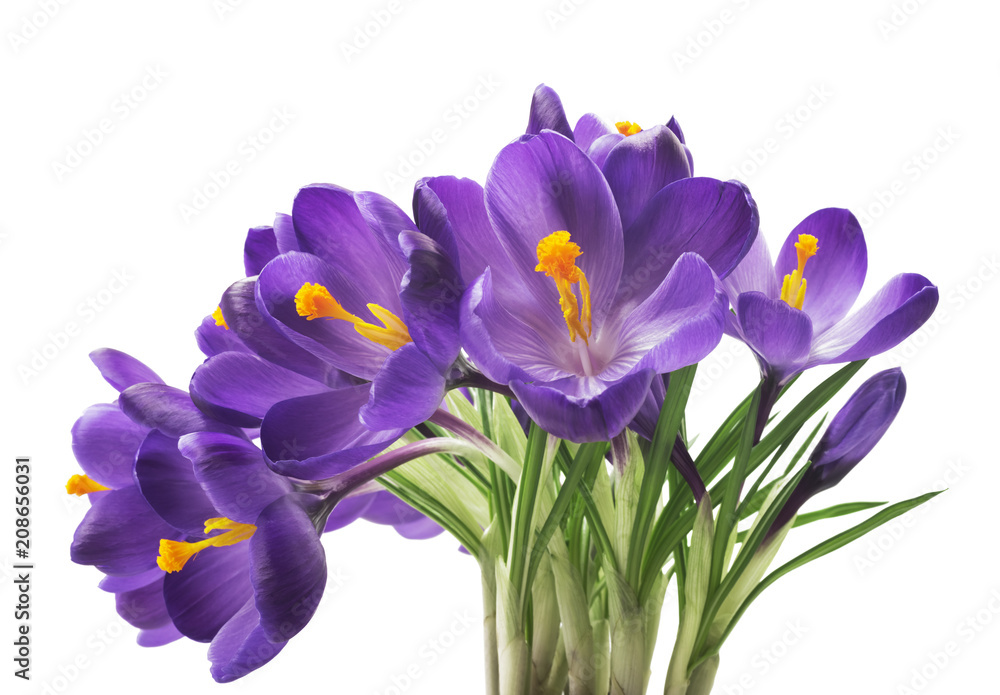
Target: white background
x=893 y=76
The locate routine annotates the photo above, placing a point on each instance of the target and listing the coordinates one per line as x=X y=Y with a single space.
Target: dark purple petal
x=143 y=607
x=314 y=437
x=259 y=248
x=599 y=149
x=241 y=309
x=483 y=318
x=121 y=370
x=584 y=418
x=233 y=474
x=547 y=113
x=405 y=393
x=780 y=334
x=834 y=276
x=334 y=340
x=588 y=129
x=211 y=588
x=329 y=224
x=238 y=388
x=284 y=233
x=241 y=647
x=677 y=325
x=640 y=165
x=213 y=339
x=431 y=294
x=443 y=203
x=716 y=220
x=166 y=479
x=167 y=409
x=157 y=637
x=288 y=567
x=105 y=442
x=347 y=511
x=120 y=534
x=898 y=309
x=114 y=585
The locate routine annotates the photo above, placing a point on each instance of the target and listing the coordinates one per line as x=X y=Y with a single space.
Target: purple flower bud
x=852 y=433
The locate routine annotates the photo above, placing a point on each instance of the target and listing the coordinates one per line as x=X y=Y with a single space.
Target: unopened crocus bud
x=852 y=433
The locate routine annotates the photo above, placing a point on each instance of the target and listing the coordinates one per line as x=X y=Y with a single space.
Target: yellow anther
x=220 y=320
x=83 y=485
x=628 y=128
x=557 y=259
x=314 y=301
x=793 y=288
x=175 y=554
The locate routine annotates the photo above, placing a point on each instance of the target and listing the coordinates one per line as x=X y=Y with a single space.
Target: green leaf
x=825 y=548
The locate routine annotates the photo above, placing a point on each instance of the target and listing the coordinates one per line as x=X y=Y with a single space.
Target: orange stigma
x=219 y=318
x=315 y=302
x=83 y=485
x=557 y=259
x=627 y=128
x=175 y=554
x=793 y=289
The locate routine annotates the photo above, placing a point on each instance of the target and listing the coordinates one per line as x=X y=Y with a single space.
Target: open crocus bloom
x=565 y=305
x=793 y=313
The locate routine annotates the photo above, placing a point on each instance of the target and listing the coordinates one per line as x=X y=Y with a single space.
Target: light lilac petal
x=431 y=294
x=105 y=442
x=143 y=607
x=678 y=325
x=544 y=184
x=241 y=647
x=122 y=370
x=284 y=233
x=419 y=530
x=640 y=165
x=755 y=273
x=113 y=584
x=157 y=637
x=888 y=318
x=834 y=276
x=347 y=511
x=588 y=129
x=213 y=339
x=599 y=149
x=495 y=338
x=389 y=510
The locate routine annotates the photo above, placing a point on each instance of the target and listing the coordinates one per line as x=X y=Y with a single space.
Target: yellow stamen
x=557 y=259
x=175 y=554
x=628 y=128
x=83 y=485
x=793 y=288
x=315 y=302
x=219 y=318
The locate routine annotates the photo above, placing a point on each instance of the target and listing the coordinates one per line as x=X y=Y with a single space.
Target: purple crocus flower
x=794 y=313
x=598 y=139
x=851 y=435
x=577 y=296
x=348 y=337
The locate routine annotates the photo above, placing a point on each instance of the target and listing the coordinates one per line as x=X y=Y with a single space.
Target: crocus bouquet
x=510 y=365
